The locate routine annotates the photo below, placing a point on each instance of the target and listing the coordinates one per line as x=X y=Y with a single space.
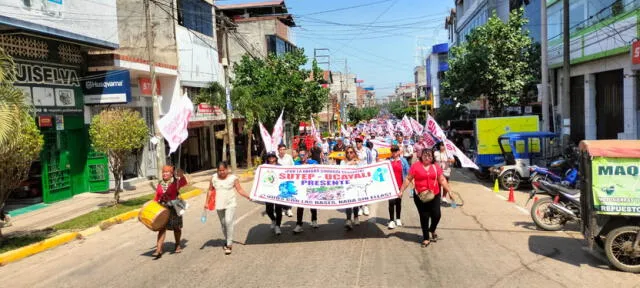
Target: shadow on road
x=567 y=250
x=167 y=247
x=333 y=230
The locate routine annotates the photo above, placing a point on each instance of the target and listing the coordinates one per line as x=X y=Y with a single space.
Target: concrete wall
x=132 y=31
x=198 y=58
x=253 y=35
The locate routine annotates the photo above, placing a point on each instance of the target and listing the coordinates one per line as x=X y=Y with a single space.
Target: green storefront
x=50 y=74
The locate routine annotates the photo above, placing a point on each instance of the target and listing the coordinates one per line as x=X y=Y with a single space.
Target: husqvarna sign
x=110 y=87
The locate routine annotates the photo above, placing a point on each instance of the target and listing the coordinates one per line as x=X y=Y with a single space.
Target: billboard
x=92 y=22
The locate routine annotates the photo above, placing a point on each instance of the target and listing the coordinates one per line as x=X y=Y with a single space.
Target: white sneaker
x=392 y=224
x=273 y=224
x=348 y=224
x=356 y=221
x=284 y=212
x=445 y=200
x=360 y=212
x=289 y=213
x=314 y=224
x=277 y=230
x=398 y=223
x=298 y=229
x=365 y=210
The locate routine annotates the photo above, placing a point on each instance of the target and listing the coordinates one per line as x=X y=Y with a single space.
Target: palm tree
x=12 y=101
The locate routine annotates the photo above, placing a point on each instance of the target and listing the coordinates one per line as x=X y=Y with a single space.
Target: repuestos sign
x=324 y=186
x=616 y=185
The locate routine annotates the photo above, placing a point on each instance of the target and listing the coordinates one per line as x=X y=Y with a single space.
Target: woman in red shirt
x=166 y=191
x=427 y=175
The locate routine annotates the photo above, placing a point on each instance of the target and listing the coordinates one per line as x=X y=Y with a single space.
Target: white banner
x=435 y=129
x=173 y=125
x=390 y=128
x=464 y=160
x=406 y=126
x=416 y=126
x=324 y=186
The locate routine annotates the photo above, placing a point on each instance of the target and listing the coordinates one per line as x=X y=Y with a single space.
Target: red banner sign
x=145 y=86
x=635 y=53
x=45 y=121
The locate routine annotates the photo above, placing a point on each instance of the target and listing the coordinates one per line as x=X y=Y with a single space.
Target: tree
x=116 y=132
x=359 y=114
x=20 y=139
x=397 y=108
x=279 y=83
x=494 y=62
x=450 y=112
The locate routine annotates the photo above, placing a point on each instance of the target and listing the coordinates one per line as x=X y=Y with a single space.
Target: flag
x=435 y=129
x=315 y=132
x=406 y=125
x=429 y=140
x=464 y=160
x=266 y=138
x=416 y=126
x=390 y=128
x=173 y=126
x=344 y=132
x=276 y=137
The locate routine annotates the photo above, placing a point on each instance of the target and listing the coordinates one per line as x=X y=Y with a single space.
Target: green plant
x=617 y=8
x=116 y=132
x=494 y=61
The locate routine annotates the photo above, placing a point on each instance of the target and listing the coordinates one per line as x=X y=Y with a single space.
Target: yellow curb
x=17 y=254
x=90 y=231
x=191 y=194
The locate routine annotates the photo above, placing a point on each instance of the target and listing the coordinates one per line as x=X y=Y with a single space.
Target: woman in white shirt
x=226 y=186
x=444 y=161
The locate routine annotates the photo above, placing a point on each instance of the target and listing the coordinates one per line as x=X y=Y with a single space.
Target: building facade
x=50 y=50
x=603 y=101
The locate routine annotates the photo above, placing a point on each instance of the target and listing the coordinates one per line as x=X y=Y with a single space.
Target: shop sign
x=59 y=122
x=43 y=73
x=145 y=86
x=45 y=121
x=615 y=186
x=111 y=87
x=635 y=53
x=204 y=108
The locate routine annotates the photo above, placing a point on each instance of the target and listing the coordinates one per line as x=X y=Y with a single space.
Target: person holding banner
x=226 y=187
x=339 y=147
x=428 y=178
x=304 y=160
x=285 y=159
x=400 y=170
x=365 y=157
x=351 y=159
x=274 y=211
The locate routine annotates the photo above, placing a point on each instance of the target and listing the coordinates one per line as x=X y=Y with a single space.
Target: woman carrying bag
x=167 y=191
x=428 y=178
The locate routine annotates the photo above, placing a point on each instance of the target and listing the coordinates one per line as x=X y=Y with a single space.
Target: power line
x=346 y=8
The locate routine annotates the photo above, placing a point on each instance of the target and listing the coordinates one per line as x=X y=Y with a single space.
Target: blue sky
x=377 y=37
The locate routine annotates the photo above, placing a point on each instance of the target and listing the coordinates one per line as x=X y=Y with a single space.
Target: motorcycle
x=570 y=178
x=553 y=213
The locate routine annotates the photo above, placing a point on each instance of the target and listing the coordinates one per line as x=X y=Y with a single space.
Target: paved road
x=487 y=243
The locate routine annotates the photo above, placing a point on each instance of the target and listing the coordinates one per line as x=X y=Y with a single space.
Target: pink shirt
x=426 y=179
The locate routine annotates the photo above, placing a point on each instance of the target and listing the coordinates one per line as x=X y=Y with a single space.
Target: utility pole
x=346 y=79
x=328 y=62
x=544 y=69
x=229 y=110
x=566 y=70
x=160 y=157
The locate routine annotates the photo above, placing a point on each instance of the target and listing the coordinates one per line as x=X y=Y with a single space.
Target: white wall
x=198 y=58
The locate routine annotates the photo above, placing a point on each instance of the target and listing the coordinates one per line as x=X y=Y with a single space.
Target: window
x=196 y=15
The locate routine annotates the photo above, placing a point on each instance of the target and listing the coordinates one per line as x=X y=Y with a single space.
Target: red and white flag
x=266 y=138
x=173 y=125
x=435 y=129
x=315 y=132
x=278 y=132
x=344 y=131
x=390 y=128
x=465 y=162
x=406 y=126
x=429 y=140
x=416 y=126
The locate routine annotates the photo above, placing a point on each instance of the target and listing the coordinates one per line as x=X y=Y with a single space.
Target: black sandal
x=156 y=255
x=434 y=237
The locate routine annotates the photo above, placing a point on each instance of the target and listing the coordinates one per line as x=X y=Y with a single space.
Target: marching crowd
x=428 y=169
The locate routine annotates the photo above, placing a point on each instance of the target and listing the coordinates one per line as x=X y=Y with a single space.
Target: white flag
x=315 y=132
x=416 y=126
x=344 y=132
x=406 y=126
x=266 y=138
x=464 y=160
x=278 y=129
x=435 y=129
x=173 y=125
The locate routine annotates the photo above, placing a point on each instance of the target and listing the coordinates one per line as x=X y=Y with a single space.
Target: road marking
x=524 y=211
x=255 y=209
x=501 y=197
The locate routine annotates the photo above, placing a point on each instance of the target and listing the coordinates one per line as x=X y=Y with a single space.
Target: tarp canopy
x=612 y=148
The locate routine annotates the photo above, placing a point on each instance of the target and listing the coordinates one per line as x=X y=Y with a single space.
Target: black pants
x=300 y=213
x=352 y=211
x=274 y=211
x=428 y=211
x=395 y=205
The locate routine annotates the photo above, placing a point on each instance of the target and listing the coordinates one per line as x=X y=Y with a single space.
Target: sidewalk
x=84 y=203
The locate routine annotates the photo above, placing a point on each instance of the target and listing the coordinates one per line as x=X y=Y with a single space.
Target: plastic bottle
x=454 y=204
x=203 y=218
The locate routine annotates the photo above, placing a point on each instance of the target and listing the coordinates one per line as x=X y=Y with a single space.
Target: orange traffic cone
x=512 y=198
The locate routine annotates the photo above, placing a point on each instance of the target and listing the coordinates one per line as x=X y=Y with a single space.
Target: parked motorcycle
x=553 y=213
x=568 y=179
